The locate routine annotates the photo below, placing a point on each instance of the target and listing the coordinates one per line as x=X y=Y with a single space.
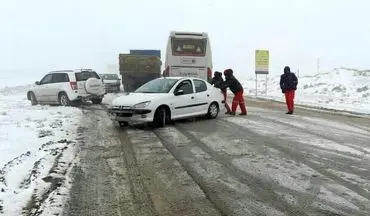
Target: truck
x=139 y=67
x=146 y=52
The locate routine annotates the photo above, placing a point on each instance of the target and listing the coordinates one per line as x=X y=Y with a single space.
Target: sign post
x=262 y=66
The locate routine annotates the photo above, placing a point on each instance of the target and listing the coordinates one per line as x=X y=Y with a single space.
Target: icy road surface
x=267 y=163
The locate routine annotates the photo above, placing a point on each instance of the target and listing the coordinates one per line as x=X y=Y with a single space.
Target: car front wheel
x=160 y=117
x=213 y=110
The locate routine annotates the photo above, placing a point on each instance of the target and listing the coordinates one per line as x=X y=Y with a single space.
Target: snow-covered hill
x=342 y=89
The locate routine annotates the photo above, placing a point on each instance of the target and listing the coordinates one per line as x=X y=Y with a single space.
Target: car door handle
x=207 y=95
x=192 y=97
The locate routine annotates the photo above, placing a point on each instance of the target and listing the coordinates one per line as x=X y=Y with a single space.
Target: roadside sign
x=262 y=62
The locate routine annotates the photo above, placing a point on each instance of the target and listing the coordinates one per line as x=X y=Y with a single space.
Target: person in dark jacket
x=218 y=82
x=234 y=85
x=288 y=85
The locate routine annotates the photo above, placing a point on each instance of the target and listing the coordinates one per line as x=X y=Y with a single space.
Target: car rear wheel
x=33 y=99
x=213 y=110
x=64 y=100
x=160 y=117
x=96 y=100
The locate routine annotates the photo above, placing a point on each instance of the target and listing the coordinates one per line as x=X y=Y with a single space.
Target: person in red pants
x=235 y=86
x=288 y=85
x=218 y=82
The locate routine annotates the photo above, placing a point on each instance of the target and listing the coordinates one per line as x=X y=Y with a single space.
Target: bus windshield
x=188 y=46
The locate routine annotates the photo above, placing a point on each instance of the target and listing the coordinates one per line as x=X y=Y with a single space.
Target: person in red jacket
x=237 y=89
x=288 y=85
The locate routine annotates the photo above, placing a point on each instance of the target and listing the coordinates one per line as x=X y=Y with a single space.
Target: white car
x=65 y=86
x=112 y=82
x=167 y=98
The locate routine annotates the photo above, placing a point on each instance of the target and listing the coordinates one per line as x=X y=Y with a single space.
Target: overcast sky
x=41 y=35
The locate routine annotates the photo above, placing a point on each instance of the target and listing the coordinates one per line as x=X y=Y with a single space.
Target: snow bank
x=36 y=142
x=341 y=89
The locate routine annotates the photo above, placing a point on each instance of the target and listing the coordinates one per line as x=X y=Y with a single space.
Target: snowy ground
x=38 y=143
x=36 y=151
x=340 y=89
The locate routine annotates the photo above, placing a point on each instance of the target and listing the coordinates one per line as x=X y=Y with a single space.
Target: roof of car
x=179 y=77
x=71 y=71
x=62 y=71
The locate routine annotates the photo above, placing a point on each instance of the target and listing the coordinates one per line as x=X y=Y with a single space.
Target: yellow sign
x=262 y=62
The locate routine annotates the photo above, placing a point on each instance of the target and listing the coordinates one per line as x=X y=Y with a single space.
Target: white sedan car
x=167 y=98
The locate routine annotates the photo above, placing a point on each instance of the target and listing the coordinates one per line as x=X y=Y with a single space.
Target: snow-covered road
x=74 y=161
x=267 y=163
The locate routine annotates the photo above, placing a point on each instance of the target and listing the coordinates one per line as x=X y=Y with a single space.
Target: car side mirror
x=179 y=92
x=37 y=83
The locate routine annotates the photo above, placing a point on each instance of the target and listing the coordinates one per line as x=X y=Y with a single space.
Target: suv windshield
x=157 y=86
x=85 y=75
x=109 y=76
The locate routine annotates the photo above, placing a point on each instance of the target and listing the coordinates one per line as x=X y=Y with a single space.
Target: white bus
x=188 y=54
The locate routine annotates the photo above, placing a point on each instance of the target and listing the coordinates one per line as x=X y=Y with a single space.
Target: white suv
x=63 y=87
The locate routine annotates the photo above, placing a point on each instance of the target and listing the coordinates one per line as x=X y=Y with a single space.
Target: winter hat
x=286 y=69
x=217 y=74
x=228 y=72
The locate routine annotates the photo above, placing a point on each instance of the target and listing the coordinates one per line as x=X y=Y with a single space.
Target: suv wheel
x=64 y=100
x=96 y=100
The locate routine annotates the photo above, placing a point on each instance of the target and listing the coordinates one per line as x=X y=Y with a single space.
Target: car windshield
x=109 y=76
x=157 y=86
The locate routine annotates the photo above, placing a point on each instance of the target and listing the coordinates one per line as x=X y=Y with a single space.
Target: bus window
x=188 y=47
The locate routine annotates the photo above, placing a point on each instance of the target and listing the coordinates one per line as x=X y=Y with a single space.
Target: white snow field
x=36 y=152
x=340 y=89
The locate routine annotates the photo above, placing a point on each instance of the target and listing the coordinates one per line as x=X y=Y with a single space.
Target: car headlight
x=141 y=105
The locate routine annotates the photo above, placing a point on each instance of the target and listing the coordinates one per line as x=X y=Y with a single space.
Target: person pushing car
x=218 y=82
x=234 y=85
